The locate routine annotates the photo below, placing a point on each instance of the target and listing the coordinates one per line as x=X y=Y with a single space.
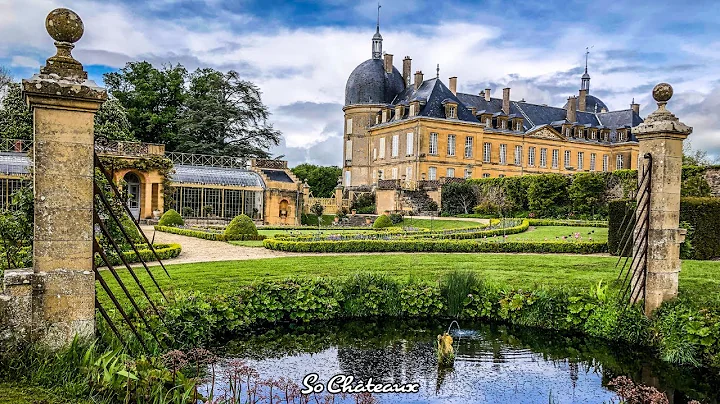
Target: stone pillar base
x=16 y=305
x=660 y=287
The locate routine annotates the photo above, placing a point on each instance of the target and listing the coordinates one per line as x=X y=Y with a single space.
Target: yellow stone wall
x=419 y=162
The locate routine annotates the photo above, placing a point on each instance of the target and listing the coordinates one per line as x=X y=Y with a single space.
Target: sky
x=300 y=53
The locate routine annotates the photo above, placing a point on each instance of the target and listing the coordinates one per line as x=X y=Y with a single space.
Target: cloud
x=300 y=55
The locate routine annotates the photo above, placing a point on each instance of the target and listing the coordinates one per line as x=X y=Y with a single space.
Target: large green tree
x=322 y=180
x=111 y=121
x=224 y=114
x=152 y=98
x=15 y=117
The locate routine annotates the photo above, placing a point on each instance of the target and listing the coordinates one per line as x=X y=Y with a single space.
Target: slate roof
x=277 y=175
x=434 y=93
x=369 y=84
x=591 y=103
x=14 y=164
x=216 y=176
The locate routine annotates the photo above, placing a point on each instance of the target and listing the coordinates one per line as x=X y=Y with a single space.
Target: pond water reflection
x=494 y=363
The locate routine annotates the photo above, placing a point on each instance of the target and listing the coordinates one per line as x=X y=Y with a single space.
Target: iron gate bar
x=100 y=165
x=636 y=264
x=124 y=260
x=108 y=320
x=625 y=246
x=98 y=191
x=127 y=293
x=117 y=304
x=625 y=238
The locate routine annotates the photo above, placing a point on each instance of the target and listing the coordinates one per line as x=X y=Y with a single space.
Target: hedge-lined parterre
x=206 y=234
x=164 y=251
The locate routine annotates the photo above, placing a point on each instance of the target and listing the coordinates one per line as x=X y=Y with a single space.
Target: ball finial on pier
x=64 y=25
x=662 y=92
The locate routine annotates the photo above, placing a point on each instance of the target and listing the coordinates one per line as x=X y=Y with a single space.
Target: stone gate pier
x=55 y=301
x=661 y=136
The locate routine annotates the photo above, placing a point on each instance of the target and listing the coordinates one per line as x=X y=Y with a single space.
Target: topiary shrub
x=239 y=227
x=382 y=222
x=171 y=218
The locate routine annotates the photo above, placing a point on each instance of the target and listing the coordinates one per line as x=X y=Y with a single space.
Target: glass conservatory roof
x=216 y=176
x=14 y=164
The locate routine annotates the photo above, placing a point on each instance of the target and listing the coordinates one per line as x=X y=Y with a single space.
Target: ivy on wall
x=161 y=164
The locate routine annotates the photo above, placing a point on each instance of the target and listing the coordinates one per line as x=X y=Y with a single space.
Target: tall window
x=531 y=156
x=348 y=177
x=348 y=127
x=408 y=173
x=619 y=162
x=451 y=145
x=592 y=161
x=486 y=152
x=450 y=173
x=543 y=157
x=581 y=161
x=555 y=158
x=374 y=153
x=348 y=150
x=433 y=144
x=394 y=173
x=381 y=152
x=432 y=173
x=395 y=146
x=518 y=155
x=503 y=154
x=468 y=147
x=567 y=158
x=606 y=162
x=409 y=144
x=468 y=173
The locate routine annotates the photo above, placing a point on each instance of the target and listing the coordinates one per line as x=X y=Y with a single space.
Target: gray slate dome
x=590 y=103
x=369 y=84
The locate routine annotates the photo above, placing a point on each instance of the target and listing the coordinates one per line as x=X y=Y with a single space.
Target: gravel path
x=199 y=250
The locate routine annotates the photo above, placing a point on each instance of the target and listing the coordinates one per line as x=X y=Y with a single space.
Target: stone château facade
x=411 y=129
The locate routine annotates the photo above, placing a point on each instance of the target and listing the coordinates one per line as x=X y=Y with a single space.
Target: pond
x=494 y=363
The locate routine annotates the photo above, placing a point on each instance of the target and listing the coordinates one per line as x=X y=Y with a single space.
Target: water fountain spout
x=445 y=350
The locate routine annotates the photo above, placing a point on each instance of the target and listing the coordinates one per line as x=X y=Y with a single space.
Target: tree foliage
x=321 y=179
x=16 y=230
x=205 y=112
x=16 y=120
x=224 y=115
x=111 y=121
x=459 y=197
x=152 y=98
x=587 y=193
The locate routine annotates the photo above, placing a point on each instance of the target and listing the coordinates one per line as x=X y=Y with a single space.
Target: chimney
x=571 y=111
x=453 y=85
x=487 y=94
x=506 y=100
x=418 y=79
x=388 y=63
x=582 y=101
x=407 y=62
x=635 y=107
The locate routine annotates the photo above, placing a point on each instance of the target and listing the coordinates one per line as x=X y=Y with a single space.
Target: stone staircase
x=417 y=201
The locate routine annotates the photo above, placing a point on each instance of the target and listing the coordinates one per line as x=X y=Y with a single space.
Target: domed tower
x=585 y=101
x=371 y=86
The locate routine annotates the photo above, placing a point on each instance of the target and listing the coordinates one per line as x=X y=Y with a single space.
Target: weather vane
x=378 y=20
x=587 y=52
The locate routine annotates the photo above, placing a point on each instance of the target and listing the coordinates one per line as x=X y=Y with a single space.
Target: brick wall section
x=712 y=176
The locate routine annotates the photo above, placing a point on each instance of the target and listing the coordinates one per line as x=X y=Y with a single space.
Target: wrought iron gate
x=110 y=216
x=633 y=247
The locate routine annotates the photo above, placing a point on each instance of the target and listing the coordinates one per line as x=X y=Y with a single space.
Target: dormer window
x=399 y=112
x=518 y=126
x=567 y=132
x=593 y=134
x=503 y=124
x=413 y=109
x=488 y=122
x=452 y=111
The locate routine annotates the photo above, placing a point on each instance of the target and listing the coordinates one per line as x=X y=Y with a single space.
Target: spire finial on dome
x=377 y=39
x=585 y=85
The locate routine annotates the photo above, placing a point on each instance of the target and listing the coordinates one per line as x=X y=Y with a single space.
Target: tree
x=16 y=120
x=111 y=121
x=5 y=78
x=225 y=115
x=317 y=210
x=152 y=98
x=695 y=157
x=458 y=197
x=548 y=194
x=16 y=230
x=587 y=193
x=321 y=179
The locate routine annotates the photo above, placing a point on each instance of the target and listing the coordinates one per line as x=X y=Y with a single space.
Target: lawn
x=549 y=233
x=436 y=224
x=699 y=280
x=15 y=393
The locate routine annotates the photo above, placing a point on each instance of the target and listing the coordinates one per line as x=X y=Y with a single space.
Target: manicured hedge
x=523 y=226
x=434 y=245
x=241 y=228
x=171 y=218
x=619 y=213
x=702 y=215
x=204 y=234
x=164 y=251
